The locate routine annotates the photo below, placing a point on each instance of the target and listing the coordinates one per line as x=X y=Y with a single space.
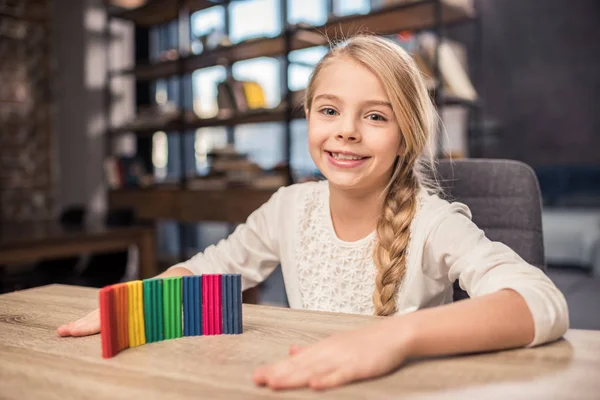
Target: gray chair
x=504 y=198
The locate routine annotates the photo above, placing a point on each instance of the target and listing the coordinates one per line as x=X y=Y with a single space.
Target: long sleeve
x=252 y=250
x=483 y=266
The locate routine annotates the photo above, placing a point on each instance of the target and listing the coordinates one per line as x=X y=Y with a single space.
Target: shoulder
x=433 y=209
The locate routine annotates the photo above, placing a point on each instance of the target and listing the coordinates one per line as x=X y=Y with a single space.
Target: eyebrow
x=368 y=102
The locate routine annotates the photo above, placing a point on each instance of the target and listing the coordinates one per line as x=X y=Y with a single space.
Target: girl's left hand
x=342 y=358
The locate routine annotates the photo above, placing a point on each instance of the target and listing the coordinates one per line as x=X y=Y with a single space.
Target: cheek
x=386 y=143
x=317 y=135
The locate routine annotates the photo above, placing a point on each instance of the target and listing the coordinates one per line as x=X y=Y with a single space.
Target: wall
x=539 y=77
x=79 y=88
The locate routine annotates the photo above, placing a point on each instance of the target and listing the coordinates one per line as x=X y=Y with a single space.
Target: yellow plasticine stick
x=132 y=320
x=140 y=312
x=130 y=314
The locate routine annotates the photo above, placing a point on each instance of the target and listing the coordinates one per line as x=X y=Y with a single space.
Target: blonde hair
x=417 y=121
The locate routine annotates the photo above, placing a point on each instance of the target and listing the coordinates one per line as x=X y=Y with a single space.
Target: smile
x=345 y=160
x=345 y=156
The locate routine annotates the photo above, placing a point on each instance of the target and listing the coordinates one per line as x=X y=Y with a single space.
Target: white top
x=322 y=272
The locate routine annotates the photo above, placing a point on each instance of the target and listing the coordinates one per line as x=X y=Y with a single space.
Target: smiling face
x=353 y=136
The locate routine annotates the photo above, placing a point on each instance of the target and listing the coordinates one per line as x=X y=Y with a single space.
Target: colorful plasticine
x=139 y=312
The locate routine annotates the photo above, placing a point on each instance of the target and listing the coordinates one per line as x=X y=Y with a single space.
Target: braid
x=393 y=232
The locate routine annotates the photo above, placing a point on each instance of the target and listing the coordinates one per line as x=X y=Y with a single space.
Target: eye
x=376 y=117
x=328 y=111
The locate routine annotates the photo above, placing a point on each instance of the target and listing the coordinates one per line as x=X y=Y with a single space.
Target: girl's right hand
x=88 y=325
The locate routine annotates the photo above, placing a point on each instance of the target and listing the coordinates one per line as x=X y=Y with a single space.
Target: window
x=313 y=12
x=160 y=155
x=207 y=139
x=204 y=22
x=254 y=18
x=264 y=143
x=266 y=71
x=204 y=83
x=301 y=162
x=349 y=7
x=163 y=39
x=302 y=63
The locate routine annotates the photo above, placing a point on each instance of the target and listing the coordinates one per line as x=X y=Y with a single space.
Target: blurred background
x=134 y=133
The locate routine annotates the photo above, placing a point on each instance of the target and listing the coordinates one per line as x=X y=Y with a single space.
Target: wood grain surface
x=36 y=363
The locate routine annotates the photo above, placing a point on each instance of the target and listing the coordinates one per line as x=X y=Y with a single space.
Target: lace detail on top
x=333 y=275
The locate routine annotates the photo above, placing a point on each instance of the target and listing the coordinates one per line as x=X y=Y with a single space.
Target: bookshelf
x=234 y=205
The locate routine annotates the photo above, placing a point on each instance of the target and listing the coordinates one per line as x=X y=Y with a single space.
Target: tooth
x=345 y=157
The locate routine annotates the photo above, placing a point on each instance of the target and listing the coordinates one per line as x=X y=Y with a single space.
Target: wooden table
x=29 y=242
x=36 y=363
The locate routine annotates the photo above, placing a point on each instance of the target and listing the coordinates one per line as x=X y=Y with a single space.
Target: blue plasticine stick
x=240 y=324
x=224 y=302
x=192 y=307
x=230 y=304
x=187 y=306
x=227 y=304
x=235 y=309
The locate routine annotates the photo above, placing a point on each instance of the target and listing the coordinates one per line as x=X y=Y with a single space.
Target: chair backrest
x=504 y=198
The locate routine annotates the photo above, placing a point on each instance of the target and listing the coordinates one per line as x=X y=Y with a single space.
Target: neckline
x=329 y=223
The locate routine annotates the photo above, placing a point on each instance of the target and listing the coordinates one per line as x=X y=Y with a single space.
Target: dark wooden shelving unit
x=234 y=205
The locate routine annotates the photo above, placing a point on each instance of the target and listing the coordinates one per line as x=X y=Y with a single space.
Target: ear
x=306 y=113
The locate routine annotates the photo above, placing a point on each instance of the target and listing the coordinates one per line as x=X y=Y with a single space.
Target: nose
x=348 y=132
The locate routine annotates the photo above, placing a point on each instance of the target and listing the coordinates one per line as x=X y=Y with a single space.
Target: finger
x=333 y=379
x=85 y=328
x=88 y=325
x=260 y=376
x=63 y=330
x=296 y=371
x=301 y=377
x=295 y=349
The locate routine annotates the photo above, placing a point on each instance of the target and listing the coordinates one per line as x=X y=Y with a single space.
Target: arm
x=252 y=251
x=512 y=304
x=496 y=321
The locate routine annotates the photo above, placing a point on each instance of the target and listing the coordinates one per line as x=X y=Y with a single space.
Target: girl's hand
x=338 y=359
x=88 y=325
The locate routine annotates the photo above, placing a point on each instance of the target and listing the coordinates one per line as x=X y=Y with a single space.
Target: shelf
x=159 y=11
x=33 y=13
x=253 y=117
x=457 y=101
x=277 y=115
x=415 y=15
x=227 y=205
x=249 y=49
x=148 y=129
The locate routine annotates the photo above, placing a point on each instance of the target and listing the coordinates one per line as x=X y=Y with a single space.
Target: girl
x=374 y=238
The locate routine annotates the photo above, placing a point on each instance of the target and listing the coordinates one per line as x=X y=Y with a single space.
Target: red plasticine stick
x=205 y=304
x=122 y=315
x=211 y=305
x=218 y=306
x=108 y=328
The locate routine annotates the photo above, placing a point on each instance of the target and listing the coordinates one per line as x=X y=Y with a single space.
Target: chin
x=345 y=180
